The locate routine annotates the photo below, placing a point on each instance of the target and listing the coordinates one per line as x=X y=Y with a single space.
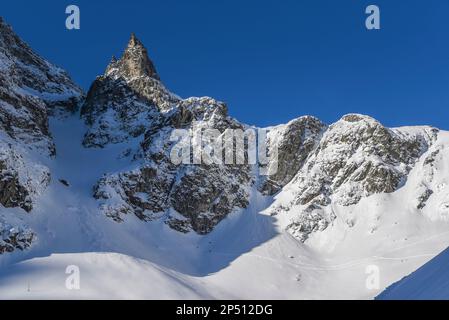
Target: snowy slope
x=430 y=282
x=249 y=255
x=115 y=277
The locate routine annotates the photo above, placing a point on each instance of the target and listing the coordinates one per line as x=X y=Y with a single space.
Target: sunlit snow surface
x=247 y=256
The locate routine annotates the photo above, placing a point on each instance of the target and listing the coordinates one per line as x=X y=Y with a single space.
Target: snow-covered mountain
x=89 y=181
x=30 y=90
x=130 y=102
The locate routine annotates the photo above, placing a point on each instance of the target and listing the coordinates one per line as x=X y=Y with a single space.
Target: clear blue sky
x=271 y=61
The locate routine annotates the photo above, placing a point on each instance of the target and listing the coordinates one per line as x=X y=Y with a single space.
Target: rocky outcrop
x=129 y=102
x=355 y=158
x=134 y=63
x=429 y=172
x=22 y=180
x=318 y=166
x=24 y=74
x=31 y=89
x=187 y=196
x=128 y=98
x=294 y=142
x=13 y=238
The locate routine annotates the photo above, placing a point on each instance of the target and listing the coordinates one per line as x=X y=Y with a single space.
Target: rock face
x=294 y=141
x=135 y=62
x=129 y=102
x=31 y=89
x=128 y=98
x=22 y=179
x=27 y=81
x=13 y=238
x=356 y=157
x=318 y=166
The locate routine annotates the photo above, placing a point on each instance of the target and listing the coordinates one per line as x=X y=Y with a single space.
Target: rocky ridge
x=319 y=167
x=31 y=89
x=130 y=102
x=356 y=158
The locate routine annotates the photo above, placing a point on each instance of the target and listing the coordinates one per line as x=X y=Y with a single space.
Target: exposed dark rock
x=422 y=199
x=130 y=102
x=294 y=142
x=134 y=62
x=12 y=238
x=64 y=182
x=355 y=158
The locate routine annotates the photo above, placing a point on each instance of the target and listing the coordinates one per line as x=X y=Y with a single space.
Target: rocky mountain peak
x=133 y=41
x=134 y=63
x=5 y=28
x=13 y=48
x=22 y=68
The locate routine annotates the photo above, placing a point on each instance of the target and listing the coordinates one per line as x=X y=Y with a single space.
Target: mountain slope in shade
x=430 y=282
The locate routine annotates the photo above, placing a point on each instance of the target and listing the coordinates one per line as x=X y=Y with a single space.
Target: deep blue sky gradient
x=271 y=61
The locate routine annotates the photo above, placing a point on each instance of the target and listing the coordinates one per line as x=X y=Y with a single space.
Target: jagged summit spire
x=133 y=37
x=134 y=62
x=5 y=27
x=133 y=41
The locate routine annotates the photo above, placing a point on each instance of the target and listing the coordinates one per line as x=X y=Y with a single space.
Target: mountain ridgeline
x=320 y=168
